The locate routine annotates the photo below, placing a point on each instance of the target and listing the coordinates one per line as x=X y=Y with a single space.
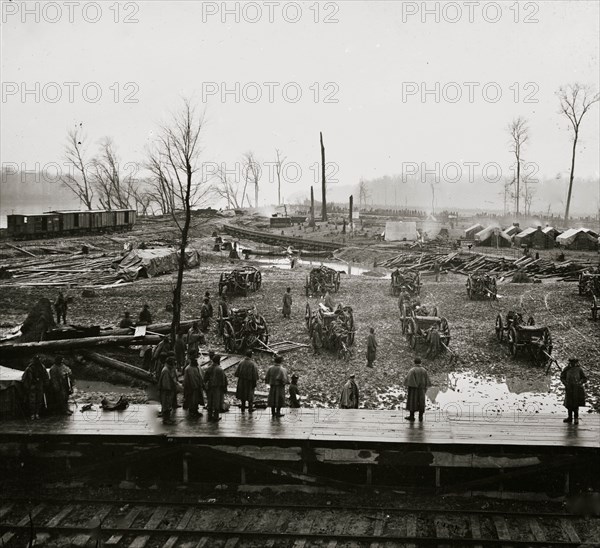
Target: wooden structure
x=418 y=323
x=482 y=286
x=534 y=340
x=409 y=280
x=274 y=239
x=536 y=237
x=322 y=279
x=244 y=329
x=240 y=281
x=337 y=328
x=280 y=222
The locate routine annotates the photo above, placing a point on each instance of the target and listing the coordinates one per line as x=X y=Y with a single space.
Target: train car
x=42 y=225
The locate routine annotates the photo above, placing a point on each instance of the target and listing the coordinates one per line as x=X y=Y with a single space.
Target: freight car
x=65 y=223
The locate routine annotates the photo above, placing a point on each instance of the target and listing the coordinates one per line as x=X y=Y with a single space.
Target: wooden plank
x=153 y=523
x=304 y=528
x=241 y=524
x=340 y=528
x=60 y=516
x=411 y=528
x=183 y=523
x=501 y=527
x=278 y=527
x=475 y=528
x=5 y=510
x=126 y=523
x=7 y=537
x=378 y=527
x=569 y=531
x=536 y=529
x=203 y=542
x=82 y=539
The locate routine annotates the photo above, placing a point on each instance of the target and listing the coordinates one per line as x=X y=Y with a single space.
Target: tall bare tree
x=252 y=173
x=78 y=182
x=176 y=157
x=227 y=188
x=278 y=166
x=363 y=194
x=323 y=181
x=575 y=100
x=519 y=135
x=114 y=186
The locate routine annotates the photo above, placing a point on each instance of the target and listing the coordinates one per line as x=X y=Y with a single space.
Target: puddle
x=285 y=264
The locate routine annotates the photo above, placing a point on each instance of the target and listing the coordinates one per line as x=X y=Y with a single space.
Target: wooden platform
x=330 y=426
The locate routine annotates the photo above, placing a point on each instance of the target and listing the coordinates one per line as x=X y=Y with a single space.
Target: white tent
x=399 y=231
x=569 y=236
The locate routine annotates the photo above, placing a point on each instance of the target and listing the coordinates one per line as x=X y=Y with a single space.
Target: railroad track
x=141 y=524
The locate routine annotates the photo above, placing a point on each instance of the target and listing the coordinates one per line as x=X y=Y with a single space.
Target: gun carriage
x=423 y=325
x=589 y=283
x=409 y=280
x=525 y=337
x=240 y=281
x=482 y=286
x=243 y=329
x=337 y=328
x=321 y=280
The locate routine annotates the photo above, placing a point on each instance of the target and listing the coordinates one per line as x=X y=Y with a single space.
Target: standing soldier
x=435 y=342
x=371 y=348
x=436 y=270
x=205 y=314
x=195 y=338
x=210 y=306
x=223 y=312
x=145 y=317
x=216 y=386
x=317 y=337
x=35 y=379
x=573 y=379
x=276 y=378
x=247 y=374
x=287 y=303
x=417 y=382
x=349 y=397
x=180 y=350
x=193 y=386
x=60 y=307
x=167 y=386
x=294 y=393
x=62 y=385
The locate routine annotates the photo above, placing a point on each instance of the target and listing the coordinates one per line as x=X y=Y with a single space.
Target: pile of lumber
x=469 y=263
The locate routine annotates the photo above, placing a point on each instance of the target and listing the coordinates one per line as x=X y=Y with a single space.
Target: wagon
x=411 y=281
x=337 y=328
x=321 y=280
x=240 y=281
x=589 y=283
x=244 y=329
x=525 y=337
x=422 y=328
x=482 y=286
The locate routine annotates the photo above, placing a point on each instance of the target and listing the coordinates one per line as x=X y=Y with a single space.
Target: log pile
x=469 y=263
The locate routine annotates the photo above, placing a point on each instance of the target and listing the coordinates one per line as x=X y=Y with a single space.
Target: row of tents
x=533 y=237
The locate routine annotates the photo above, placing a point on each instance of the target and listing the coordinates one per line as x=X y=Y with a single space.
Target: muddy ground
x=483 y=370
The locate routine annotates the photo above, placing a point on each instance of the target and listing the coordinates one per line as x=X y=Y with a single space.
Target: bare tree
x=278 y=166
x=363 y=193
x=227 y=188
x=252 y=173
x=176 y=160
x=78 y=182
x=575 y=100
x=528 y=195
x=115 y=188
x=519 y=134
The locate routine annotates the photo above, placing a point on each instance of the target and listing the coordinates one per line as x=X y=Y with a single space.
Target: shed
x=472 y=230
x=493 y=236
x=578 y=238
x=401 y=231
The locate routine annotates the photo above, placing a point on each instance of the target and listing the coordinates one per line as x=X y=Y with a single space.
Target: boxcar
x=30 y=226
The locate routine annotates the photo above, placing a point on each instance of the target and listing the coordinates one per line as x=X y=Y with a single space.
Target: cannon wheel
x=264 y=336
x=445 y=327
x=411 y=331
x=499 y=328
x=229 y=337
x=513 y=339
x=258 y=280
x=546 y=348
x=308 y=318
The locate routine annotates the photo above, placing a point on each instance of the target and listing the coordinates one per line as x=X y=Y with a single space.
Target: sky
x=392 y=85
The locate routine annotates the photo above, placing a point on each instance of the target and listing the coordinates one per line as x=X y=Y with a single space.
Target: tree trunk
x=323 y=182
x=351 y=209
x=571 y=177
x=119 y=366
x=518 y=182
x=84 y=342
x=312 y=207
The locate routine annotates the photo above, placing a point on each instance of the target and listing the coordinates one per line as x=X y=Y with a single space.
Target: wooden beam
x=119 y=366
x=84 y=342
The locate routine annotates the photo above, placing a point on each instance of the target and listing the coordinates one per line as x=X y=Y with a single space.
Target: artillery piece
x=321 y=280
x=589 y=283
x=240 y=281
x=420 y=325
x=525 y=337
x=337 y=328
x=406 y=279
x=243 y=329
x=482 y=286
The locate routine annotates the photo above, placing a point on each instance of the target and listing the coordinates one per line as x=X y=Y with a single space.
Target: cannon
x=409 y=280
x=589 y=283
x=321 y=280
x=240 y=281
x=337 y=328
x=243 y=329
x=525 y=337
x=482 y=286
x=422 y=324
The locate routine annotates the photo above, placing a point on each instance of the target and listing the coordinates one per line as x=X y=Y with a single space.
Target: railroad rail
x=140 y=523
x=274 y=239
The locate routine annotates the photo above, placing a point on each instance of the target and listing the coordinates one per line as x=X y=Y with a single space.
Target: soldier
x=205 y=314
x=126 y=320
x=276 y=378
x=216 y=386
x=60 y=307
x=317 y=337
x=573 y=378
x=167 y=386
x=193 y=388
x=195 y=339
x=35 y=379
x=436 y=270
x=210 y=306
x=416 y=381
x=145 y=317
x=223 y=312
x=371 y=348
x=294 y=393
x=435 y=342
x=287 y=303
x=247 y=375
x=180 y=350
x=350 y=395
x=61 y=384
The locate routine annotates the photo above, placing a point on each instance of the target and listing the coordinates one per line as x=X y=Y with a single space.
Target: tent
x=536 y=238
x=578 y=238
x=146 y=263
x=401 y=231
x=493 y=236
x=472 y=230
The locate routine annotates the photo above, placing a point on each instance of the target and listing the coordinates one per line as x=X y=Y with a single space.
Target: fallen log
x=162 y=328
x=119 y=365
x=70 y=344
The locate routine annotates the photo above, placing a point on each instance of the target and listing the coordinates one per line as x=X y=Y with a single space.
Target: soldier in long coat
x=145 y=317
x=193 y=388
x=294 y=393
x=247 y=375
x=573 y=379
x=180 y=350
x=205 y=314
x=35 y=379
x=417 y=382
x=350 y=395
x=317 y=338
x=167 y=386
x=371 y=348
x=61 y=383
x=216 y=386
x=276 y=378
x=195 y=338
x=287 y=303
x=210 y=306
x=60 y=306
